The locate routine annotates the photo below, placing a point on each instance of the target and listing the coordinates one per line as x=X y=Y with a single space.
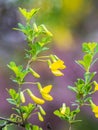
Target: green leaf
x=79 y=81
x=35 y=127
x=85 y=47
x=44 y=49
x=74 y=112
x=21 y=26
x=89 y=47
x=24 y=29
x=15 y=100
x=29 y=126
x=89 y=76
x=92 y=46
x=86 y=62
x=14 y=68
x=26 y=110
x=57 y=113
x=17 y=110
x=36 y=48
x=74 y=89
x=44 y=41
x=13 y=93
x=67 y=110
x=81 y=63
x=19 y=72
x=28 y=14
x=87 y=59
x=11 y=101
x=87 y=99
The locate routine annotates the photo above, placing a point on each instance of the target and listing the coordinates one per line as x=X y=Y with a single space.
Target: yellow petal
x=23 y=11
x=47 y=97
x=59 y=64
x=57 y=73
x=37 y=100
x=95 y=109
x=96 y=115
x=96 y=87
x=46 y=89
x=34 y=98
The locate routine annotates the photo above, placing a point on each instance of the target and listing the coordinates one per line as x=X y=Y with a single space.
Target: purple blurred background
x=72 y=23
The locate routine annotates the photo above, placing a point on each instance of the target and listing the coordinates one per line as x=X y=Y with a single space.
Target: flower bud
x=63 y=108
x=46 y=30
x=22 y=97
x=49 y=62
x=42 y=110
x=39 y=86
x=36 y=75
x=35 y=27
x=53 y=58
x=40 y=117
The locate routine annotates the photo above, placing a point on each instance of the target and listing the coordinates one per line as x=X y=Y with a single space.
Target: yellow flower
x=46 y=89
x=95 y=110
x=56 y=67
x=34 y=98
x=47 y=97
x=45 y=92
x=35 y=27
x=96 y=88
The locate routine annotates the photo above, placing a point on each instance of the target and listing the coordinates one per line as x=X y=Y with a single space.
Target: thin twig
x=8 y=121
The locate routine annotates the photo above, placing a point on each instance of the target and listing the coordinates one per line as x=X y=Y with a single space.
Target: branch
x=8 y=121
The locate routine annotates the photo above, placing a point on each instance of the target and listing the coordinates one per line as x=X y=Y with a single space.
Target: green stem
x=70 y=126
x=42 y=60
x=28 y=64
x=43 y=57
x=31 y=83
x=8 y=121
x=21 y=114
x=94 y=62
x=5 y=128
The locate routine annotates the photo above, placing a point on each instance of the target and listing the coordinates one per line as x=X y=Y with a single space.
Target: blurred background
x=72 y=22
